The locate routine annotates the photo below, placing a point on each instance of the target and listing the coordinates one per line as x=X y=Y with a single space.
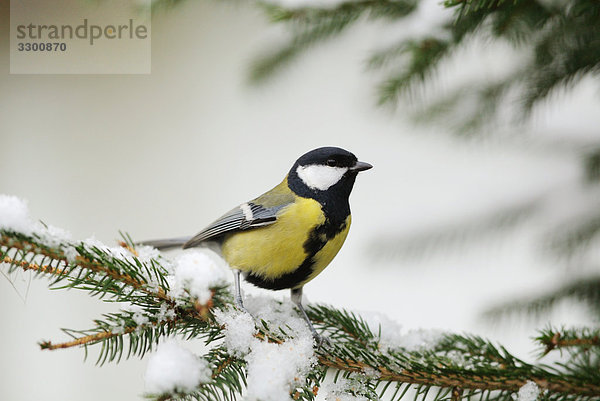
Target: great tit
x=287 y=236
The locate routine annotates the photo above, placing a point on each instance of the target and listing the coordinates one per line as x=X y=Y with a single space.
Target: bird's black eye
x=331 y=162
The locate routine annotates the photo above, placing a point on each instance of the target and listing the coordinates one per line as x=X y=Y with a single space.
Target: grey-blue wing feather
x=165 y=244
x=236 y=219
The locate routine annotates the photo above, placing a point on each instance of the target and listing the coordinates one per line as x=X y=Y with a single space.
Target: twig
x=84 y=263
x=222 y=366
x=556 y=342
x=457 y=393
x=32 y=266
x=47 y=345
x=449 y=379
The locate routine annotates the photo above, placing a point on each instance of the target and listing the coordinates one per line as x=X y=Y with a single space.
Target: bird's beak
x=360 y=166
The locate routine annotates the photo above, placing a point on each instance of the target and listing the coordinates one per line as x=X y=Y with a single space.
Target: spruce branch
x=458 y=233
x=90 y=259
x=310 y=25
x=361 y=357
x=583 y=339
x=576 y=237
x=556 y=45
x=85 y=340
x=486 y=382
x=586 y=290
x=424 y=56
x=32 y=266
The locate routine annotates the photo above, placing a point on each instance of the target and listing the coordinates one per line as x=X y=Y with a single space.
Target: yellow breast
x=278 y=249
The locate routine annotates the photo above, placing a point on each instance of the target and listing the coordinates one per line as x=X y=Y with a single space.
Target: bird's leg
x=238 y=290
x=296 y=296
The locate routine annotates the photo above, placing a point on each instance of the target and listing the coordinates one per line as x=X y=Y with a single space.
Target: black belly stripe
x=289 y=280
x=312 y=246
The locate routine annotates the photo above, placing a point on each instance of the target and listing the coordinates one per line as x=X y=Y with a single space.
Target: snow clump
x=274 y=370
x=394 y=336
x=14 y=216
x=196 y=272
x=173 y=368
x=528 y=392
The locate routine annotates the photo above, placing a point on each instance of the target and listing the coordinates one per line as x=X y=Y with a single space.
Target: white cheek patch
x=320 y=177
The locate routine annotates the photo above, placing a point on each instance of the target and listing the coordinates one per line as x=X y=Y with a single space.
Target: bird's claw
x=240 y=306
x=321 y=341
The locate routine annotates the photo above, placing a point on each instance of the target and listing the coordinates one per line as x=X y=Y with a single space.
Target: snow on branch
x=270 y=354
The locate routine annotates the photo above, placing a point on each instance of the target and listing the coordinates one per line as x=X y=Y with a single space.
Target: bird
x=284 y=238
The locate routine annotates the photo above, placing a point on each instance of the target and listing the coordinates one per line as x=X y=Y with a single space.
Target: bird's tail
x=165 y=244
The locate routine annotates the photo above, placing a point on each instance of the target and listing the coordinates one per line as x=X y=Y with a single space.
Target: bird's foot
x=239 y=304
x=321 y=341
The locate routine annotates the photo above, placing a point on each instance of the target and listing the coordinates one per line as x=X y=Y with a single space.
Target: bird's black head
x=326 y=175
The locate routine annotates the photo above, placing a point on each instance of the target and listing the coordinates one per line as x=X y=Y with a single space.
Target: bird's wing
x=244 y=217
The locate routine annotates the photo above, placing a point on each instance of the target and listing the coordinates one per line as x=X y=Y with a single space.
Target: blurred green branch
x=585 y=290
x=558 y=44
x=310 y=26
